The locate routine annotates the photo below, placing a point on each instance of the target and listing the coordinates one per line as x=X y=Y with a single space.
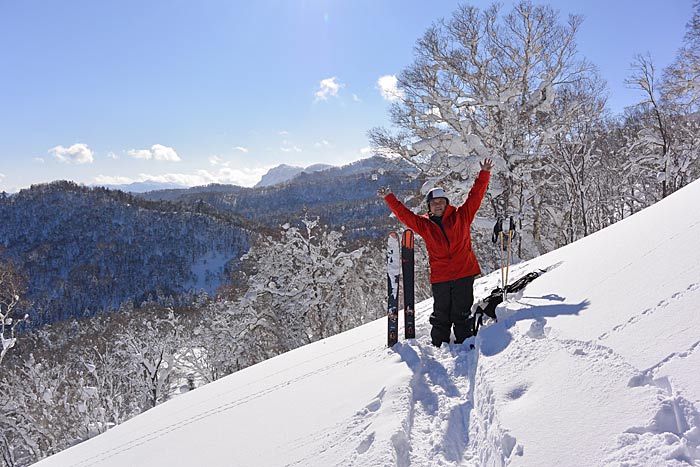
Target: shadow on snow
x=495 y=338
x=429 y=373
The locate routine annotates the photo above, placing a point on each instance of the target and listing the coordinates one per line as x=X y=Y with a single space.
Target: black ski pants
x=452 y=303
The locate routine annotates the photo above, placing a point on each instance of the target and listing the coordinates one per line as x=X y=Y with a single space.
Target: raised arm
x=476 y=194
x=405 y=215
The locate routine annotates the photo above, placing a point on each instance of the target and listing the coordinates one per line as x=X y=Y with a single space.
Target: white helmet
x=436 y=192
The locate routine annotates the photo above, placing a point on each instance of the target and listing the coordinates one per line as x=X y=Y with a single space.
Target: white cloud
x=225 y=175
x=291 y=149
x=111 y=155
x=387 y=84
x=77 y=154
x=284 y=133
x=218 y=161
x=328 y=87
x=164 y=153
x=241 y=177
x=3 y=187
x=323 y=144
x=157 y=152
x=113 y=180
x=355 y=98
x=140 y=154
x=288 y=146
x=241 y=148
x=366 y=151
x=40 y=160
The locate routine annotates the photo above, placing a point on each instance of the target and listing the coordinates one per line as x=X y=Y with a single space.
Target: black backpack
x=487 y=306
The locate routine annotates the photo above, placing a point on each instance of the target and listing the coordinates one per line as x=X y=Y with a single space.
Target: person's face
x=438 y=206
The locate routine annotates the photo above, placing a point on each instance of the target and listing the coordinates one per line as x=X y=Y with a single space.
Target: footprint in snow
x=537 y=330
x=365 y=444
x=517 y=392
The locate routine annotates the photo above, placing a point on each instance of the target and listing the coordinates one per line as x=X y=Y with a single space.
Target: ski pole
x=510 y=237
x=503 y=280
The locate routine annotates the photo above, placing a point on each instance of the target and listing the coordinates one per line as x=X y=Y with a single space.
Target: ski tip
x=407 y=239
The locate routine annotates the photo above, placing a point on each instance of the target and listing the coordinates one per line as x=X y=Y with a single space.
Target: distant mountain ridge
x=90 y=249
x=143 y=187
x=276 y=175
x=343 y=197
x=284 y=173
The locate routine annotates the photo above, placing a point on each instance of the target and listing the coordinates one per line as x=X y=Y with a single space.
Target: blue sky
x=220 y=91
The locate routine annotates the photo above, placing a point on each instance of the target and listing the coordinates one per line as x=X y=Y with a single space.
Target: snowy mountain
x=283 y=173
x=594 y=363
x=144 y=187
x=343 y=197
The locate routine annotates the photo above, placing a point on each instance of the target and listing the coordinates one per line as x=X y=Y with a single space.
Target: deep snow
x=594 y=363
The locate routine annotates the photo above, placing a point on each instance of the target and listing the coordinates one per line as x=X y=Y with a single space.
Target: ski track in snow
x=673 y=434
x=677 y=421
x=446 y=418
x=674 y=431
x=427 y=423
x=378 y=427
x=151 y=435
x=649 y=312
x=440 y=406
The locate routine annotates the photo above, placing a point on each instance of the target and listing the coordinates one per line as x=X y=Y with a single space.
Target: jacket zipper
x=442 y=228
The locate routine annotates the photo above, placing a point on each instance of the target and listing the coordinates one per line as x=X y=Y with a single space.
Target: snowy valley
x=593 y=364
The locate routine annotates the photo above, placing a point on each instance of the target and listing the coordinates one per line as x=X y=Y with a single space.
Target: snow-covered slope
x=594 y=363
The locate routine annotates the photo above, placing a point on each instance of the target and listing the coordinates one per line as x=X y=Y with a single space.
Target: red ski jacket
x=450 y=251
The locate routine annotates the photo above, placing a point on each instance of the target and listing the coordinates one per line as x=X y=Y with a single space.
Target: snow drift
x=594 y=363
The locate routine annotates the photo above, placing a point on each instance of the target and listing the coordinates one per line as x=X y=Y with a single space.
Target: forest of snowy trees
x=87 y=250
x=511 y=86
x=507 y=85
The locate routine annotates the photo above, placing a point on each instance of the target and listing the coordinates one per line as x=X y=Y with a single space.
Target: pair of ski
x=400 y=262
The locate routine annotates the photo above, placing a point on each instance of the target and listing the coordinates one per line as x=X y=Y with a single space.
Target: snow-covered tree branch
x=11 y=287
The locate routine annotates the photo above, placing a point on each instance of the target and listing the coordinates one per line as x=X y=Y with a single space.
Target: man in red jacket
x=453 y=265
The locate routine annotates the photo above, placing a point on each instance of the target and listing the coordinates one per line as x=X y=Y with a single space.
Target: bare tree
x=680 y=89
x=682 y=79
x=665 y=147
x=573 y=157
x=481 y=85
x=653 y=143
